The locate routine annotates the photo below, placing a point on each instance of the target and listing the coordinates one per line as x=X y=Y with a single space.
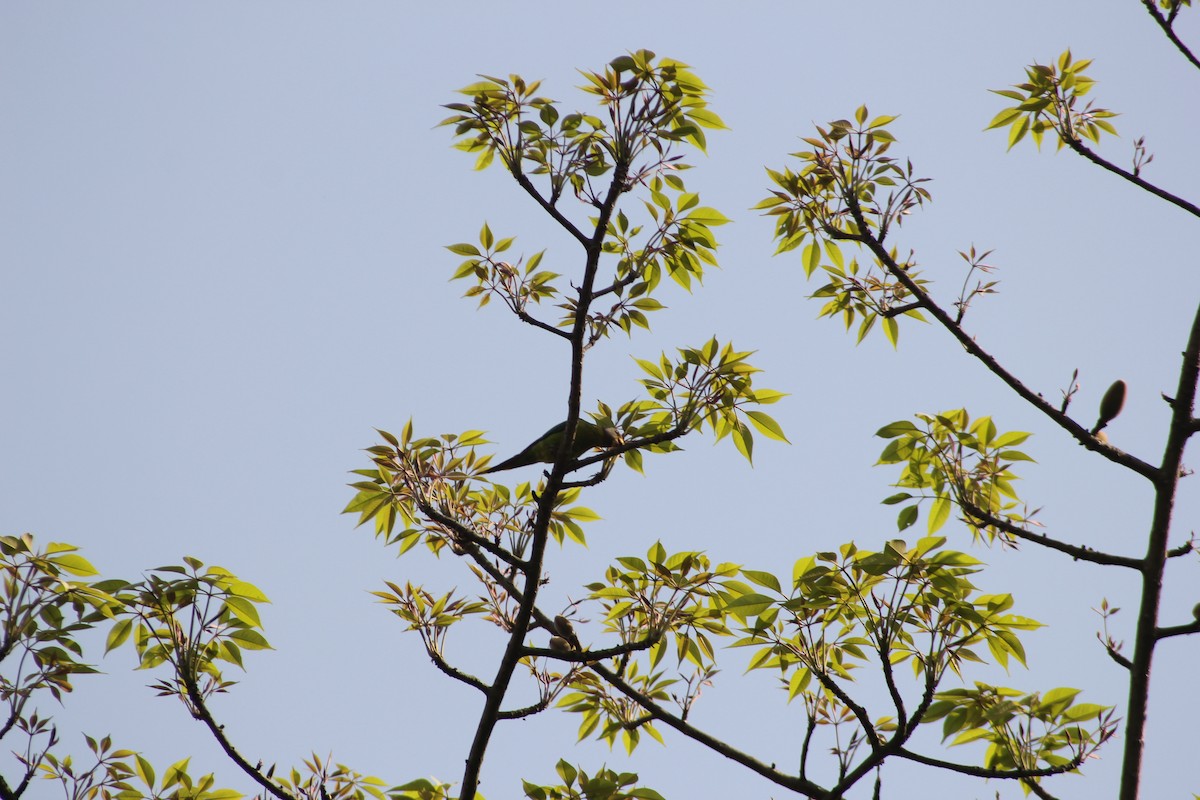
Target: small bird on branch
x=545 y=449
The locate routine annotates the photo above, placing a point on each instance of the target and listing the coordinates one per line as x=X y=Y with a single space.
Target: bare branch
x=468 y=535
x=537 y=323
x=202 y=713
x=984 y=772
x=527 y=711
x=1177 y=630
x=1072 y=427
x=797 y=784
x=1078 y=552
x=455 y=673
x=1085 y=151
x=546 y=205
x=1146 y=634
x=1166 y=24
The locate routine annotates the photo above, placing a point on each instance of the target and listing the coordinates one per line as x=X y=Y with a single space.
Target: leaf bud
x=1111 y=405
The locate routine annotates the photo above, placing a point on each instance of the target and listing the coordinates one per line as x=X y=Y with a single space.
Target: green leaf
x=118 y=635
x=707 y=216
x=464 y=249
x=749 y=605
x=939 y=512
x=763 y=579
x=970 y=736
x=891 y=329
x=812 y=258
x=75 y=565
x=145 y=770
x=251 y=640
x=894 y=429
x=767 y=426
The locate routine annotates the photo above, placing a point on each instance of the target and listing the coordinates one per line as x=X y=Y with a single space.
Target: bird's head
x=613 y=437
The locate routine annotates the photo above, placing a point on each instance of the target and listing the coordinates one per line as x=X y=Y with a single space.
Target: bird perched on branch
x=545 y=449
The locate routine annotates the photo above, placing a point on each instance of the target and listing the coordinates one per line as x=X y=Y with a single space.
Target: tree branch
x=549 y=208
x=527 y=711
x=586 y=656
x=1083 y=150
x=1077 y=431
x=1146 y=633
x=1177 y=630
x=441 y=663
x=1078 y=552
x=984 y=772
x=218 y=731
x=546 y=326
x=896 y=311
x=469 y=535
x=1169 y=30
x=533 y=568
x=796 y=784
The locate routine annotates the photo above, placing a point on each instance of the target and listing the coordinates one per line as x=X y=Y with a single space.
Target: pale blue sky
x=221 y=261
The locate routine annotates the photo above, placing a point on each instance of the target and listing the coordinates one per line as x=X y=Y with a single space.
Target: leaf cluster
x=191 y=617
x=848 y=189
x=954 y=460
x=649 y=105
x=604 y=784
x=1051 y=99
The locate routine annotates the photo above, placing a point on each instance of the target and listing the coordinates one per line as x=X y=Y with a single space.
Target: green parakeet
x=543 y=451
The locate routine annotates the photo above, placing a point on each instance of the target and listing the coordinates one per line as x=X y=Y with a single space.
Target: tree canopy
x=883 y=647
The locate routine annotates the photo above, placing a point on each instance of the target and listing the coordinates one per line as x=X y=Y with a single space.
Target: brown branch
x=527 y=711
x=904 y=731
x=537 y=323
x=457 y=674
x=1177 y=630
x=546 y=205
x=896 y=311
x=469 y=535
x=796 y=784
x=1036 y=788
x=860 y=713
x=1077 y=431
x=1116 y=656
x=984 y=772
x=202 y=713
x=656 y=711
x=1169 y=30
x=585 y=656
x=1083 y=150
x=809 y=730
x=533 y=568
x=1078 y=552
x=1182 y=550
x=1146 y=633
